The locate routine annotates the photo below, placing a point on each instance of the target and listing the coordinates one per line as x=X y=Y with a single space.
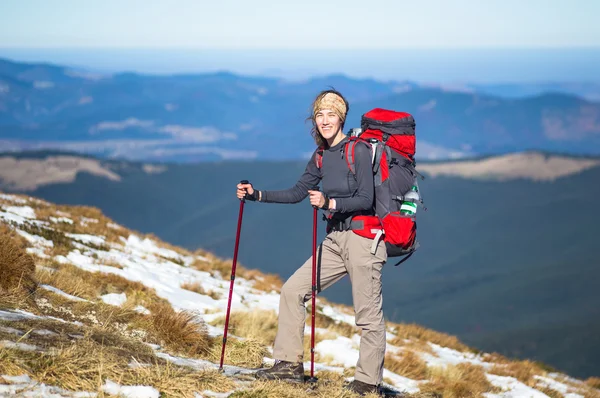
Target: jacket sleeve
x=308 y=180
x=365 y=193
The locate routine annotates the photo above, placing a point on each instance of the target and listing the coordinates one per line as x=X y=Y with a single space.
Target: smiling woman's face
x=328 y=123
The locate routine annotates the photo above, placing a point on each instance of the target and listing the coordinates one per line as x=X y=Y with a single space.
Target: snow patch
x=447 y=356
x=35 y=240
x=113 y=388
x=63 y=294
x=512 y=388
x=23 y=211
x=17 y=346
x=117 y=299
x=342 y=351
x=11 y=330
x=85 y=238
x=61 y=220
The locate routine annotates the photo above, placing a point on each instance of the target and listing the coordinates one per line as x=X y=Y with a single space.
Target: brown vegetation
x=407 y=364
x=458 y=381
x=414 y=331
x=257 y=324
x=183 y=332
x=196 y=287
x=524 y=371
x=85 y=364
x=593 y=382
x=17 y=268
x=247 y=352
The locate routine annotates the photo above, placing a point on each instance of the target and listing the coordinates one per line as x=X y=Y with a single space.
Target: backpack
x=391 y=137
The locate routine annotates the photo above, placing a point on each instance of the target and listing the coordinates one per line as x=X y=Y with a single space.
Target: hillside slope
x=479 y=272
x=87 y=305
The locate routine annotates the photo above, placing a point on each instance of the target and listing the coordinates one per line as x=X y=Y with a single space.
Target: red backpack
x=391 y=137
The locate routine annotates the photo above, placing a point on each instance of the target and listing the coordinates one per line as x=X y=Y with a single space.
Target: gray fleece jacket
x=352 y=193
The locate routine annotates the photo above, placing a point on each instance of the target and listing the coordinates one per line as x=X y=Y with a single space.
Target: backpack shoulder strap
x=349 y=150
x=319 y=157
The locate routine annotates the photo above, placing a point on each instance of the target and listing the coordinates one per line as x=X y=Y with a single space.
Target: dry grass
x=70 y=279
x=219 y=267
x=247 y=353
x=197 y=287
x=91 y=285
x=414 y=331
x=182 y=332
x=521 y=370
x=264 y=282
x=593 y=382
x=409 y=365
x=458 y=381
x=552 y=393
x=85 y=365
x=589 y=392
x=18 y=283
x=272 y=389
x=214 y=265
x=257 y=324
x=329 y=385
x=160 y=243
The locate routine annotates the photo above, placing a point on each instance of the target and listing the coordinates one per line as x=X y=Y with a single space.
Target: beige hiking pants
x=341 y=253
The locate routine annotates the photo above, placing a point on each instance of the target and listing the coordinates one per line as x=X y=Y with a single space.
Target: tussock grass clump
x=414 y=331
x=182 y=332
x=524 y=371
x=8 y=366
x=263 y=282
x=408 y=364
x=70 y=279
x=197 y=287
x=552 y=393
x=458 y=381
x=91 y=285
x=175 y=381
x=62 y=244
x=260 y=325
x=593 y=382
x=247 y=352
x=84 y=365
x=17 y=268
x=214 y=264
x=101 y=228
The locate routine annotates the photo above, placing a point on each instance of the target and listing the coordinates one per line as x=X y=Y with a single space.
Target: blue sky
x=306 y=24
x=450 y=41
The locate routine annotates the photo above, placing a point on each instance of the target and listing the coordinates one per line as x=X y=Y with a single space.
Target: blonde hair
x=327 y=99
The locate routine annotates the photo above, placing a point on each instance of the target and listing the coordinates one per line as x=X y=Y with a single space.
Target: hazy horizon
x=446 y=66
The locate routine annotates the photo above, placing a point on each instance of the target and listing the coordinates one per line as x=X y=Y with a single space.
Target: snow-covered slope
x=198 y=283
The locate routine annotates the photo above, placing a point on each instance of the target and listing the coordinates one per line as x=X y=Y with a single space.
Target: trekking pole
x=314 y=294
x=233 y=266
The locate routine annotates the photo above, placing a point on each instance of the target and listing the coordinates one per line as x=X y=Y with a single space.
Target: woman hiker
x=342 y=252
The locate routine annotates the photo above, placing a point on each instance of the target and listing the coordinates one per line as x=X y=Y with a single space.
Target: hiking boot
x=361 y=388
x=283 y=370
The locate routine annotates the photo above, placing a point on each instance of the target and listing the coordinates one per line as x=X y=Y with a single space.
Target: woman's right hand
x=242 y=189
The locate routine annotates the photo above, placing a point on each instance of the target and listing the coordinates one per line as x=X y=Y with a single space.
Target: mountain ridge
x=227 y=115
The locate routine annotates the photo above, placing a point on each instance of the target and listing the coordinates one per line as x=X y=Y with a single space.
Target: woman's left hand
x=317 y=198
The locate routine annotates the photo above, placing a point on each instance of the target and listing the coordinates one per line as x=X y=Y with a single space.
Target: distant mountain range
x=508 y=257
x=186 y=118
